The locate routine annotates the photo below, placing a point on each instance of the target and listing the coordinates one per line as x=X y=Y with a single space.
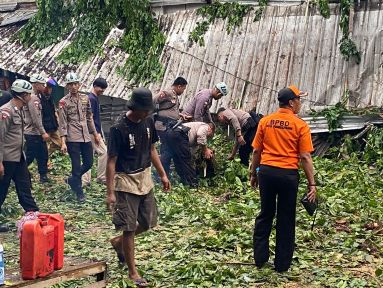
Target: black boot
x=4 y=228
x=44 y=179
x=80 y=195
x=81 y=198
x=69 y=181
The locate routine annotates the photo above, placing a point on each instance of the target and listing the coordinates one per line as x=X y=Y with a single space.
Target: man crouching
x=129 y=181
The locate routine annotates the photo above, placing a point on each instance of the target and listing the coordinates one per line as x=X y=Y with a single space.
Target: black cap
x=286 y=94
x=141 y=99
x=100 y=82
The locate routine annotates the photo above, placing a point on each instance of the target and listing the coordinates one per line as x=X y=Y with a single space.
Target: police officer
x=35 y=134
x=281 y=142
x=167 y=113
x=184 y=141
x=198 y=108
x=244 y=127
x=12 y=160
x=76 y=125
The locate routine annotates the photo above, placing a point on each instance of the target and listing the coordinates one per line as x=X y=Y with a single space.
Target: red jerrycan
x=37 y=249
x=57 y=221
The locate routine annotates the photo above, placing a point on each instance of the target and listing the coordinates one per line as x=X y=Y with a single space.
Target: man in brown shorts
x=131 y=151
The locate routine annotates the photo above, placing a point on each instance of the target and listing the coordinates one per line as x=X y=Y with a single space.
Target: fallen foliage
x=204 y=236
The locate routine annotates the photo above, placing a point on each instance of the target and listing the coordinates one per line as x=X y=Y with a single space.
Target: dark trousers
x=79 y=151
x=37 y=149
x=245 y=150
x=165 y=152
x=178 y=142
x=18 y=172
x=278 y=190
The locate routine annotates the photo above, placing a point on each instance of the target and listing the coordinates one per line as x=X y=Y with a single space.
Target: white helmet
x=21 y=86
x=36 y=78
x=221 y=86
x=71 y=77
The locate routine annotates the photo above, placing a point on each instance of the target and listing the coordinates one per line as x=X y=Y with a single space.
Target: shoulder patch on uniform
x=37 y=103
x=6 y=109
x=5 y=113
x=62 y=103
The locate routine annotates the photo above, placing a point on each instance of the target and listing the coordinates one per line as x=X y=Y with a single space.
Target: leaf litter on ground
x=204 y=236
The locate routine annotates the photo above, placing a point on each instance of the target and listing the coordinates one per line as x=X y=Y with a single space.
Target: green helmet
x=71 y=77
x=221 y=86
x=21 y=86
x=36 y=78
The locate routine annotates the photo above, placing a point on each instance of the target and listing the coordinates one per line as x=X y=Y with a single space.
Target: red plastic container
x=37 y=249
x=57 y=221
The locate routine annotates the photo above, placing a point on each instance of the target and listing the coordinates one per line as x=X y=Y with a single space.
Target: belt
x=250 y=123
x=165 y=120
x=183 y=129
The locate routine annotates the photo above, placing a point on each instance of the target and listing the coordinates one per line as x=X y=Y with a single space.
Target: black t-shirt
x=48 y=113
x=131 y=142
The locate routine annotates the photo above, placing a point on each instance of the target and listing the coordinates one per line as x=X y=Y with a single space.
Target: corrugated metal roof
x=347 y=123
x=17 y=16
x=286 y=46
x=8 y=7
x=27 y=60
x=160 y=3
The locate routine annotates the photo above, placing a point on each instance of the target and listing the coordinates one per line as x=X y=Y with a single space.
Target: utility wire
x=220 y=69
x=314 y=103
x=240 y=78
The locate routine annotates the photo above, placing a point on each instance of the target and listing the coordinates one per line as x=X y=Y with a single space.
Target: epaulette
x=162 y=95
